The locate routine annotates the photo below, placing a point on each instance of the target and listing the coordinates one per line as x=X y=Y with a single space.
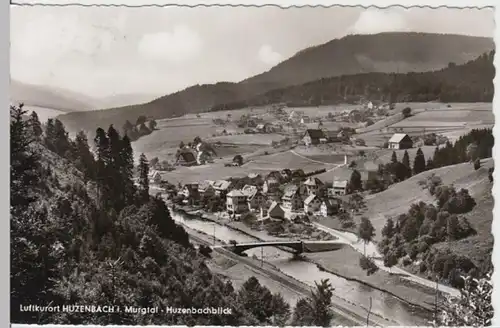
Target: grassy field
x=284 y=160
x=248 y=139
x=398 y=198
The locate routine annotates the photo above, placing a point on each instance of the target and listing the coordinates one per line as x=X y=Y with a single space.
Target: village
x=281 y=195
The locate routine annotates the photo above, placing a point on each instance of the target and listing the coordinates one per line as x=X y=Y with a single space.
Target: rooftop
x=398 y=137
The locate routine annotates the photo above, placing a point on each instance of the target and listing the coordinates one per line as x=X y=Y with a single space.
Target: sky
x=101 y=51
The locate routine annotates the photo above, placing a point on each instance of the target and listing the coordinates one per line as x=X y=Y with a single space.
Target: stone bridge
x=295 y=246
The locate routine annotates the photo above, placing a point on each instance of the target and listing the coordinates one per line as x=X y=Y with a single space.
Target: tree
x=143 y=188
x=471 y=151
x=388 y=229
x=24 y=161
x=84 y=160
x=127 y=170
x=35 y=125
x=355 y=182
x=477 y=164
x=366 y=232
x=390 y=259
x=152 y=125
x=280 y=310
x=238 y=159
x=419 y=163
x=316 y=310
x=257 y=299
x=406 y=162
x=473 y=307
x=394 y=157
x=406 y=112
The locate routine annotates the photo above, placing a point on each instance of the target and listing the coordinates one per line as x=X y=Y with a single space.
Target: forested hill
x=384 y=52
x=83 y=233
x=470 y=82
x=387 y=52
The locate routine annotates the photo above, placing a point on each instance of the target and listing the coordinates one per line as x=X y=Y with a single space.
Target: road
x=371 y=250
x=357 y=319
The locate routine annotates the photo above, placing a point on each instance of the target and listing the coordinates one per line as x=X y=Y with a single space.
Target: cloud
x=379 y=20
x=269 y=56
x=179 y=45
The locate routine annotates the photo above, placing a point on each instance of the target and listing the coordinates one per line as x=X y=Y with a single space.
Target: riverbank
x=344 y=263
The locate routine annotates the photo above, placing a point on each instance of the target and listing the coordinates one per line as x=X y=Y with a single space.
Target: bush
x=407 y=261
x=368 y=265
x=406 y=112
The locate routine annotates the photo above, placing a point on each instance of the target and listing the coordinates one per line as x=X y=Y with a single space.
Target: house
x=263 y=128
x=314 y=186
x=255 y=198
x=312 y=204
x=190 y=191
x=305 y=119
x=292 y=199
x=186 y=158
x=313 y=136
x=330 y=207
x=221 y=187
x=154 y=177
x=400 y=141
x=286 y=174
x=206 y=188
x=271 y=185
x=255 y=179
x=338 y=188
x=275 y=211
x=294 y=116
x=236 y=202
x=274 y=175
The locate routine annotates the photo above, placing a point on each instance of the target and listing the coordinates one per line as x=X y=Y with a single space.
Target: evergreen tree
x=143 y=178
x=62 y=144
x=429 y=165
x=419 y=163
x=84 y=159
x=355 y=182
x=50 y=135
x=394 y=157
x=35 y=125
x=388 y=229
x=127 y=174
x=316 y=310
x=102 y=166
x=366 y=232
x=406 y=162
x=24 y=166
x=115 y=169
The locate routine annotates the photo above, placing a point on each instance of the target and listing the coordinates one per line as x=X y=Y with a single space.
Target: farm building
x=206 y=188
x=221 y=187
x=332 y=136
x=313 y=137
x=305 y=119
x=314 y=186
x=312 y=204
x=186 y=158
x=400 y=141
x=292 y=199
x=330 y=207
x=295 y=115
x=154 y=177
x=264 y=128
x=271 y=185
x=236 y=202
x=338 y=188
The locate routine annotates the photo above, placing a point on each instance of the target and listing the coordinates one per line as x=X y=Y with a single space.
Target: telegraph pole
x=262 y=256
x=214 y=234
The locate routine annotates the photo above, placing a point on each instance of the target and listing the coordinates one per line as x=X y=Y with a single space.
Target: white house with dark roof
x=400 y=141
x=314 y=186
x=312 y=204
x=292 y=200
x=255 y=198
x=330 y=207
x=154 y=177
x=339 y=188
x=222 y=187
x=236 y=202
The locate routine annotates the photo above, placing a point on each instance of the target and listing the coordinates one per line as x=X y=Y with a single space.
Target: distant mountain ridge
x=354 y=54
x=49 y=97
x=67 y=100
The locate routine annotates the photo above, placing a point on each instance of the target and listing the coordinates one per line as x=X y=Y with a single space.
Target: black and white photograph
x=251 y=166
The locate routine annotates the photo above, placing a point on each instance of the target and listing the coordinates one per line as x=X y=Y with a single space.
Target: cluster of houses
x=311 y=196
x=198 y=154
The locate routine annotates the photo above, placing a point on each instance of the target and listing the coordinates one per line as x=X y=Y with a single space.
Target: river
x=383 y=304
